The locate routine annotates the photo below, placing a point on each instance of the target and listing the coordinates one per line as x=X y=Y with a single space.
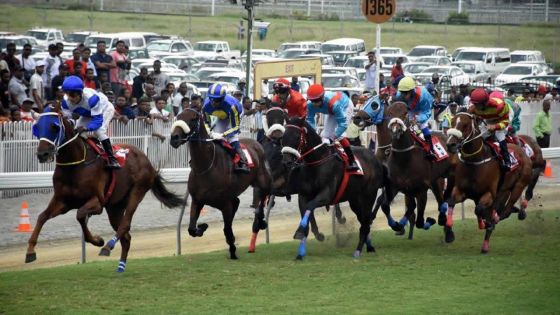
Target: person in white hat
x=36 y=85
x=27 y=112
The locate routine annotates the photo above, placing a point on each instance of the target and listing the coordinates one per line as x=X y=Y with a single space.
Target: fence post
x=181 y=220
x=83 y=257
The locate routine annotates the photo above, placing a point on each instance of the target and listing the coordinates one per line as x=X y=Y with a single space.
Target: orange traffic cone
x=548 y=170
x=24 y=223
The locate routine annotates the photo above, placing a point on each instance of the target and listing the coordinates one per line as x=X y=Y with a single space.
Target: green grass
x=541 y=37
x=519 y=276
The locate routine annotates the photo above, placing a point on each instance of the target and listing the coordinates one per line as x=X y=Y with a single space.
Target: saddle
x=235 y=156
x=495 y=149
x=524 y=145
x=121 y=154
x=439 y=149
x=346 y=177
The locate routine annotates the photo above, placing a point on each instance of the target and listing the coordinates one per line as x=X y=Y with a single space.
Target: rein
x=302 y=143
x=470 y=138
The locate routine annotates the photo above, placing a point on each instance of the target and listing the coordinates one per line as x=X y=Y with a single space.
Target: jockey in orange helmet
x=290 y=99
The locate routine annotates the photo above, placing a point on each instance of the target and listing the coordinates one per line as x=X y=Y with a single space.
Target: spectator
x=143 y=110
x=264 y=89
x=241 y=84
x=17 y=87
x=123 y=112
x=103 y=79
x=86 y=57
x=464 y=95
x=542 y=91
x=72 y=63
x=36 y=86
x=52 y=64
x=118 y=73
x=150 y=93
x=371 y=72
x=355 y=98
x=397 y=71
x=160 y=79
x=260 y=108
x=90 y=81
x=170 y=87
x=185 y=103
x=59 y=79
x=524 y=97
x=15 y=113
x=10 y=56
x=4 y=88
x=159 y=111
x=294 y=84
x=179 y=97
x=26 y=62
x=3 y=63
x=554 y=94
x=542 y=126
x=196 y=102
x=59 y=51
x=240 y=30
x=382 y=83
x=262 y=33
x=167 y=106
x=247 y=104
x=127 y=93
x=4 y=115
x=106 y=89
x=238 y=95
x=432 y=86
x=138 y=83
x=27 y=113
x=103 y=62
x=448 y=116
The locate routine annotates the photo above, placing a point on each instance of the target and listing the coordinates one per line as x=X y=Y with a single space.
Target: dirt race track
x=153 y=228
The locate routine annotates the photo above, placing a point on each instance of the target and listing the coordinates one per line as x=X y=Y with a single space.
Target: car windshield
x=412 y=68
x=76 y=38
x=471 y=55
x=427 y=59
x=290 y=53
x=390 y=60
x=205 y=47
x=204 y=73
x=417 y=52
x=339 y=58
x=330 y=47
x=518 y=58
x=177 y=77
x=435 y=69
x=232 y=80
x=333 y=82
x=517 y=70
x=38 y=35
x=356 y=63
x=159 y=46
x=388 y=51
x=92 y=41
x=467 y=68
x=288 y=46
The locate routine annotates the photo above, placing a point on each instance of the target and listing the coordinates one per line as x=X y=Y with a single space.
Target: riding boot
x=505 y=155
x=428 y=138
x=352 y=165
x=112 y=162
x=241 y=166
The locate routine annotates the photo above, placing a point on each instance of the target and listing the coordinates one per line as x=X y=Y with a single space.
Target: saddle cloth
x=439 y=149
x=526 y=147
x=235 y=159
x=121 y=154
x=495 y=146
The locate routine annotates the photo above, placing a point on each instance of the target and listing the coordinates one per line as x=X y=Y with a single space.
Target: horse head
x=398 y=125
x=276 y=117
x=52 y=130
x=299 y=141
x=189 y=125
x=373 y=113
x=465 y=128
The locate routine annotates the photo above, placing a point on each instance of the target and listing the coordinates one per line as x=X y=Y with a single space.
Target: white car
x=454 y=75
x=292 y=53
x=390 y=60
x=169 y=47
x=340 y=70
x=78 y=37
x=232 y=77
x=182 y=62
x=435 y=60
x=204 y=72
x=389 y=50
x=46 y=36
x=326 y=60
x=426 y=50
x=413 y=68
x=336 y=81
x=259 y=52
x=474 y=69
x=517 y=71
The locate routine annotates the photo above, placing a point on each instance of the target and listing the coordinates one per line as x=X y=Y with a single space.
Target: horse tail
x=169 y=199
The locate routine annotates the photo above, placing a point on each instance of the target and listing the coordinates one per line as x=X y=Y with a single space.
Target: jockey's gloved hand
x=216 y=135
x=80 y=129
x=326 y=140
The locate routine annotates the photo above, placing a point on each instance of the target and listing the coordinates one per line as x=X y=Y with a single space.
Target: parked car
x=182 y=62
x=426 y=50
x=344 y=44
x=517 y=71
x=413 y=68
x=204 y=72
x=474 y=69
x=232 y=77
x=259 y=52
x=216 y=47
x=169 y=47
x=46 y=36
x=494 y=60
x=519 y=86
x=19 y=40
x=451 y=74
x=340 y=70
x=78 y=37
x=334 y=81
x=340 y=57
x=302 y=45
x=296 y=52
x=458 y=50
x=435 y=60
x=138 y=53
x=390 y=60
x=527 y=56
x=549 y=78
x=359 y=62
x=326 y=60
x=389 y=50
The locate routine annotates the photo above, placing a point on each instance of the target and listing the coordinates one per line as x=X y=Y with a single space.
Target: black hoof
x=400 y=232
x=192 y=232
x=397 y=227
x=419 y=224
x=233 y=256
x=105 y=252
x=370 y=249
x=320 y=237
x=341 y=220
x=441 y=219
x=431 y=220
x=299 y=257
x=30 y=257
x=483 y=252
x=522 y=215
x=263 y=225
x=449 y=235
x=99 y=242
x=200 y=229
x=300 y=233
x=288 y=198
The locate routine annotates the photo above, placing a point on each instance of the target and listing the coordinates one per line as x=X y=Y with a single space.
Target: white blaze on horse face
x=292 y=151
x=452 y=132
x=395 y=122
x=181 y=124
x=273 y=128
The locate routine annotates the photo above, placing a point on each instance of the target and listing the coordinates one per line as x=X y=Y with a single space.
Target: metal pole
x=213 y=8
x=377 y=49
x=83 y=258
x=179 y=222
x=546 y=11
x=531 y=16
x=101 y=6
x=308 y=7
x=322 y=7
x=268 y=207
x=462 y=211
x=249 y=8
x=333 y=219
x=460 y=7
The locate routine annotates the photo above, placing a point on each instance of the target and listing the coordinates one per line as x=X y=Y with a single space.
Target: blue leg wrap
x=357 y=254
x=427 y=225
x=301 y=250
x=368 y=241
x=403 y=221
x=122 y=266
x=391 y=221
x=111 y=243
x=305 y=219
x=443 y=208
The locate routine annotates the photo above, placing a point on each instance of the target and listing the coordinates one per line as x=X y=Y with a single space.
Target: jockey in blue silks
x=227 y=109
x=419 y=102
x=95 y=113
x=339 y=110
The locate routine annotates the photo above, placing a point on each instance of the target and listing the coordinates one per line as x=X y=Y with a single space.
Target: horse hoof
x=30 y=257
x=299 y=257
x=202 y=227
x=449 y=236
x=397 y=227
x=233 y=256
x=342 y=220
x=251 y=251
x=442 y=219
x=431 y=221
x=370 y=249
x=105 y=252
x=357 y=254
x=300 y=234
x=120 y=270
x=263 y=225
x=320 y=237
x=522 y=215
x=98 y=241
x=484 y=251
x=400 y=232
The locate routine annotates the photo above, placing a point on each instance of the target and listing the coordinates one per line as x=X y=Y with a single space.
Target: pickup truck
x=214 y=48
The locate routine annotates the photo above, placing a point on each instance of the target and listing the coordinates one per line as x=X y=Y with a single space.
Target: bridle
x=60 y=137
x=300 y=157
x=474 y=134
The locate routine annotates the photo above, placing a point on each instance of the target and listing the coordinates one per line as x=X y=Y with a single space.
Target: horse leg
x=315 y=228
x=444 y=203
x=364 y=216
x=194 y=230
x=420 y=223
x=515 y=195
x=228 y=213
x=54 y=208
x=409 y=215
x=485 y=206
x=92 y=206
x=456 y=196
x=529 y=193
x=383 y=201
x=115 y=216
x=340 y=218
x=259 y=222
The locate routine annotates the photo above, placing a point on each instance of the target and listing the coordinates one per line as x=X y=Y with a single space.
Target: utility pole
x=249 y=6
x=546 y=11
x=459 y=9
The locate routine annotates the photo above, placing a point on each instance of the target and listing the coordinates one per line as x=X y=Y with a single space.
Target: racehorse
x=539 y=165
x=212 y=180
x=317 y=174
x=479 y=176
x=412 y=174
x=80 y=181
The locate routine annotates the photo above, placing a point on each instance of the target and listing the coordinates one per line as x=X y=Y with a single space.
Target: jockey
x=514 y=113
x=227 y=109
x=419 y=102
x=289 y=98
x=339 y=109
x=95 y=113
x=495 y=113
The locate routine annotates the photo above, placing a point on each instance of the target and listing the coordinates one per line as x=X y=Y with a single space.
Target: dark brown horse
x=80 y=181
x=539 y=164
x=316 y=173
x=412 y=174
x=212 y=180
x=479 y=176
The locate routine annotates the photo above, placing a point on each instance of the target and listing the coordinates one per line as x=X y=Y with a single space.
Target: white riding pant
x=223 y=125
x=330 y=123
x=101 y=133
x=500 y=135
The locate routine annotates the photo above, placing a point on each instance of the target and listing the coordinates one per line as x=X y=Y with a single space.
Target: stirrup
x=112 y=163
x=352 y=166
x=241 y=167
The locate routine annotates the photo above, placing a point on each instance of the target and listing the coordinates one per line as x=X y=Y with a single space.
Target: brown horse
x=539 y=164
x=480 y=178
x=412 y=174
x=80 y=181
x=212 y=180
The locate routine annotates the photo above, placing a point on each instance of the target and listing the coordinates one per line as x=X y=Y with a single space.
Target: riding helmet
x=216 y=91
x=406 y=84
x=479 y=96
x=315 y=92
x=73 y=84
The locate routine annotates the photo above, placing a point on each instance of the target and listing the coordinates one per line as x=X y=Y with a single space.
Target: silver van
x=494 y=60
